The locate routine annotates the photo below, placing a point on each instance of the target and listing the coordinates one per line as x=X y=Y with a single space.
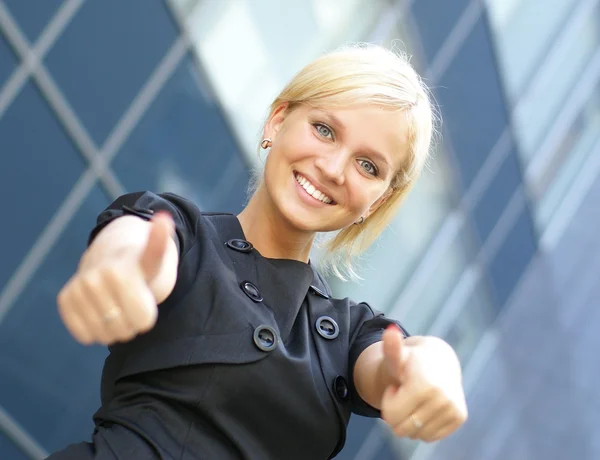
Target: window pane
x=524 y=29
x=475 y=316
x=278 y=39
x=539 y=107
x=549 y=59
x=9 y=450
x=581 y=141
x=50 y=383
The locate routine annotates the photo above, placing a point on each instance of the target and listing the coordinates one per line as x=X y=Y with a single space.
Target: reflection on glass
x=582 y=140
x=251 y=49
x=183 y=145
x=542 y=103
x=524 y=29
x=476 y=315
x=549 y=53
x=453 y=262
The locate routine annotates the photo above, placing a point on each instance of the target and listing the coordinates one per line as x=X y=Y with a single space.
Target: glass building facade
x=491 y=251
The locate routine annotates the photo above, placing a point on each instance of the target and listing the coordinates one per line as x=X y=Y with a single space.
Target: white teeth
x=311 y=190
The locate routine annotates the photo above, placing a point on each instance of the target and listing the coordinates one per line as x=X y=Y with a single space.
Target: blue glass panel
x=183 y=145
x=9 y=450
x=385 y=452
x=435 y=20
x=8 y=61
x=105 y=56
x=494 y=199
x=358 y=430
x=38 y=166
x=32 y=18
x=513 y=257
x=48 y=382
x=470 y=95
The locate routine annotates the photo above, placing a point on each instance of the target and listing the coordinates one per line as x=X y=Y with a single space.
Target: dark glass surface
x=48 y=382
x=435 y=21
x=38 y=165
x=495 y=198
x=358 y=430
x=183 y=145
x=513 y=257
x=9 y=451
x=474 y=111
x=8 y=61
x=32 y=17
x=106 y=54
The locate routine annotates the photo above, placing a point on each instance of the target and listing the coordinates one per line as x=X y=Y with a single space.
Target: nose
x=332 y=165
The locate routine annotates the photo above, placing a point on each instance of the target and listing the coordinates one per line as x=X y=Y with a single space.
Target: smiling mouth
x=312 y=190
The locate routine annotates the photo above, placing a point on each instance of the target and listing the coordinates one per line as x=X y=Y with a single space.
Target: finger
x=71 y=319
x=443 y=419
x=93 y=323
x=394 y=351
x=407 y=429
x=137 y=302
x=104 y=314
x=411 y=424
x=397 y=405
x=445 y=431
x=162 y=229
x=419 y=427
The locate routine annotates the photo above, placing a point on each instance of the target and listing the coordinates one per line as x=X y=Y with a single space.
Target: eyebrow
x=339 y=125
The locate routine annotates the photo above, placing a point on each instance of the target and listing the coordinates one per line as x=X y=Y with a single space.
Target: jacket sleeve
x=144 y=204
x=367 y=326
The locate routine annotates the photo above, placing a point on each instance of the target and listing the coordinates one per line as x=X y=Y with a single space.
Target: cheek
x=363 y=195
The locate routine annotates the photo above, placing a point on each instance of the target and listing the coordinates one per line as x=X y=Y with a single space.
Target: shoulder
x=189 y=220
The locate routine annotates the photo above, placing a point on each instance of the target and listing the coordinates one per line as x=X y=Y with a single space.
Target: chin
x=310 y=221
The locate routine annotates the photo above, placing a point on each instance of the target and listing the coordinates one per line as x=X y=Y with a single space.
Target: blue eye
x=368 y=167
x=324 y=130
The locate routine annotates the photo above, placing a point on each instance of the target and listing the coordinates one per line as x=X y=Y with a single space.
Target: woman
x=225 y=342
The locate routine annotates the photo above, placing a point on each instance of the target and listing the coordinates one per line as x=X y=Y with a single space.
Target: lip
x=308 y=198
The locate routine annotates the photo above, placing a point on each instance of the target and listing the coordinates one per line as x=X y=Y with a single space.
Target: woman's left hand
x=425 y=399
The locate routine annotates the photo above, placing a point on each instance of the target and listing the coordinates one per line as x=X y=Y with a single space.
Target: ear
x=382 y=199
x=273 y=124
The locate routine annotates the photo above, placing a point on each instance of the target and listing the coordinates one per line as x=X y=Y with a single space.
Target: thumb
x=162 y=229
x=395 y=352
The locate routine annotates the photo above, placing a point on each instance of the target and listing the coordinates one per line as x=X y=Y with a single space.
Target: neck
x=270 y=233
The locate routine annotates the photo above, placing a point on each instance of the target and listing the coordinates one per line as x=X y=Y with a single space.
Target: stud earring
x=360 y=221
x=266 y=143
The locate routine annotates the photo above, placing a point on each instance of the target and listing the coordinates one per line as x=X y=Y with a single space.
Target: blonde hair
x=367 y=74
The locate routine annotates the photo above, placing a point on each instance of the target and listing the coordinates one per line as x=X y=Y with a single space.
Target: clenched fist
x=111 y=299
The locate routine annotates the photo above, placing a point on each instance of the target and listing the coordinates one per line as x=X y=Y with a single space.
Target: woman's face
x=329 y=167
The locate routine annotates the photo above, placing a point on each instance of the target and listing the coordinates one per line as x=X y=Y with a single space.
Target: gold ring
x=418 y=424
x=111 y=315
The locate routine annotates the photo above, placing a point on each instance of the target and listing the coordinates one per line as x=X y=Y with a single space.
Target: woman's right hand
x=112 y=299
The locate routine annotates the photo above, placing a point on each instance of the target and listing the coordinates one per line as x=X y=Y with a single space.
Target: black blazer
x=250 y=357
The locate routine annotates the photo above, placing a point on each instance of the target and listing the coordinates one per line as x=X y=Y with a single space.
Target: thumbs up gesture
x=425 y=399
x=111 y=296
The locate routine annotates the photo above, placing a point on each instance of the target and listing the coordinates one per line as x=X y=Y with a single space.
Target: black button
x=327 y=327
x=265 y=338
x=240 y=245
x=251 y=291
x=341 y=388
x=319 y=292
